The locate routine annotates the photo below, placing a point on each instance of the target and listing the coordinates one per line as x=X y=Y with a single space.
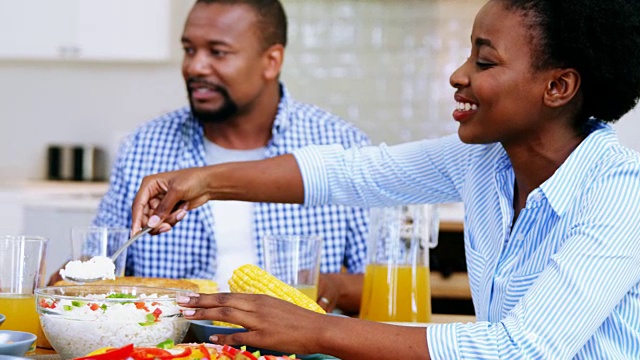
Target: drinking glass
x=396 y=282
x=294 y=259
x=90 y=241
x=22 y=270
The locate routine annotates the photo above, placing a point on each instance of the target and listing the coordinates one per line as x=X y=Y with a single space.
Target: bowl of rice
x=81 y=318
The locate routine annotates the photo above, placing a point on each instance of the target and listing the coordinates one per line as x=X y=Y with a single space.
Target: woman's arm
x=164 y=198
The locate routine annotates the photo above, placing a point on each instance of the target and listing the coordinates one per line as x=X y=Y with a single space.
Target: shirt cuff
x=442 y=342
x=314 y=176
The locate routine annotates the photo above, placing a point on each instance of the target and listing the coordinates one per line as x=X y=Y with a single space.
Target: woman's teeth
x=465 y=106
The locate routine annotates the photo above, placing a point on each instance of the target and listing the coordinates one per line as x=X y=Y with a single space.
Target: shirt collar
x=561 y=188
x=283 y=115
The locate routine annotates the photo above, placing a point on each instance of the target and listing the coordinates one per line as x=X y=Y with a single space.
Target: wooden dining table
x=50 y=354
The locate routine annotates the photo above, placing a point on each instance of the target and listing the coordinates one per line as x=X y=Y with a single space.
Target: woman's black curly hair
x=598 y=38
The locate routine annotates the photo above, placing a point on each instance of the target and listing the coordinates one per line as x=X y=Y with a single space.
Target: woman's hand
x=271 y=323
x=278 y=325
x=164 y=199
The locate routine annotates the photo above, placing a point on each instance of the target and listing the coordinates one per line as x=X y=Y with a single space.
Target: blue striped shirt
x=562 y=283
x=175 y=141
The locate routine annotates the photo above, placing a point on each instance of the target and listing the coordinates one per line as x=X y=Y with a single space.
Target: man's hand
x=340 y=290
x=55 y=277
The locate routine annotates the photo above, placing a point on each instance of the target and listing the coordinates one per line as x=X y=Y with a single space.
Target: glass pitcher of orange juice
x=396 y=282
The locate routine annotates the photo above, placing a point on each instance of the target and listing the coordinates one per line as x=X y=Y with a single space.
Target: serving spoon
x=113 y=257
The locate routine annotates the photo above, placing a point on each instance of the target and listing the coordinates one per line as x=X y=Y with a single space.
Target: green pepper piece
x=167 y=344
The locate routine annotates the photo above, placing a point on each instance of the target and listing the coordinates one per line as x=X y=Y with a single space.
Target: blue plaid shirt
x=175 y=141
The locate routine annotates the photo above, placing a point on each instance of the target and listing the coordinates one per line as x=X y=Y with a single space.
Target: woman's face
x=499 y=97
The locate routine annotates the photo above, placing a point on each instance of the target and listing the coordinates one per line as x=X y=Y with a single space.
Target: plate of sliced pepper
x=167 y=350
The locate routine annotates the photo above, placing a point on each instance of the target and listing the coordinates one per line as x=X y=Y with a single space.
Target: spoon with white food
x=98 y=267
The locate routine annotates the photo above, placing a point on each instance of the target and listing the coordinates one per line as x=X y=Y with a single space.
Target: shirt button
x=532 y=337
x=519 y=237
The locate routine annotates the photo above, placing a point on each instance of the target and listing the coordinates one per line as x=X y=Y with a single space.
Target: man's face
x=223 y=60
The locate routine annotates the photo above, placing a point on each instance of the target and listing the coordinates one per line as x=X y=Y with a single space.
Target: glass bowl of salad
x=79 y=319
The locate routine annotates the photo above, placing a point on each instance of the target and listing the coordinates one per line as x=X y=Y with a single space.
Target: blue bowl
x=15 y=343
x=2 y=318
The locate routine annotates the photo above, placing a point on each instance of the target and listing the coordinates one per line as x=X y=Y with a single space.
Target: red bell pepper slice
x=115 y=354
x=205 y=352
x=158 y=354
x=229 y=350
x=141 y=353
x=187 y=351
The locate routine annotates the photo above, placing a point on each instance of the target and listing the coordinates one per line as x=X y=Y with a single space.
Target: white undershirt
x=233 y=219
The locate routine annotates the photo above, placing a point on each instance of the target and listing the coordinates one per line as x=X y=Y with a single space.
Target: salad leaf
x=121 y=296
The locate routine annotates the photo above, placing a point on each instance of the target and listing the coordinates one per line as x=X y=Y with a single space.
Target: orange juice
x=309 y=290
x=396 y=293
x=21 y=313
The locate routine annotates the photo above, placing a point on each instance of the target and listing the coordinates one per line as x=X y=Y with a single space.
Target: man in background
x=239 y=111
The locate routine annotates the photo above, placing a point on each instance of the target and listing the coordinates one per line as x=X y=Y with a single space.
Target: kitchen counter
x=451 y=217
x=454 y=286
x=64 y=194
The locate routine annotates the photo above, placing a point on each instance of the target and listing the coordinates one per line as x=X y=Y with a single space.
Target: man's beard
x=222 y=114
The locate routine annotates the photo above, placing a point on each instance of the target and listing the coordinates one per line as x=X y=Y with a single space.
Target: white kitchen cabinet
x=49 y=209
x=114 y=30
x=11 y=211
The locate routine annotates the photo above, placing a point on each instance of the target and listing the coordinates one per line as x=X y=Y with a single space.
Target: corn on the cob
x=225 y=324
x=251 y=279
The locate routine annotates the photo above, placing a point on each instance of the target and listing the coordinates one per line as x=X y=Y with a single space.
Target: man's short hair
x=272 y=20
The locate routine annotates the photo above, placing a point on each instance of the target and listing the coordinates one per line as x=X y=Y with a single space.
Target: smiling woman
x=550 y=197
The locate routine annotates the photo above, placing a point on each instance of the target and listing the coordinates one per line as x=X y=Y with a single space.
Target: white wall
x=628 y=128
x=382 y=64
x=43 y=102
